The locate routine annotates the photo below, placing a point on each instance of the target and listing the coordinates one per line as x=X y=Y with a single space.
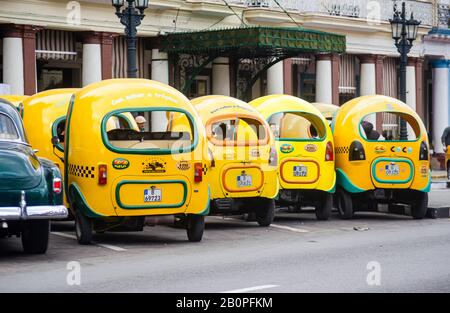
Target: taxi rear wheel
x=344 y=204
x=83 y=228
x=195 y=227
x=266 y=212
x=35 y=236
x=419 y=206
x=323 y=206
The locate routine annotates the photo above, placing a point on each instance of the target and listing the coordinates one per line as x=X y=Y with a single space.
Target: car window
x=297 y=126
x=8 y=130
x=386 y=126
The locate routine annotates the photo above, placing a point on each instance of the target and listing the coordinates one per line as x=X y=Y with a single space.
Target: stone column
x=92 y=58
x=221 y=77
x=324 y=83
x=275 y=79
x=379 y=74
x=440 y=102
x=411 y=83
x=368 y=84
x=160 y=73
x=29 y=59
x=287 y=73
x=106 y=51
x=335 y=73
x=13 y=66
x=420 y=109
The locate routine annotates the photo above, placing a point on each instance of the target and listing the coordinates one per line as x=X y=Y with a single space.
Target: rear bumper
x=33 y=213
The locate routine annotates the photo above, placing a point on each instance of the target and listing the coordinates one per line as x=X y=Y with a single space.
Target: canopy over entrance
x=251 y=50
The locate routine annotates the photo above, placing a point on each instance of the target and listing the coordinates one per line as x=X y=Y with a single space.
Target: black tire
x=83 y=228
x=448 y=170
x=323 y=206
x=195 y=227
x=344 y=204
x=266 y=212
x=419 y=206
x=35 y=236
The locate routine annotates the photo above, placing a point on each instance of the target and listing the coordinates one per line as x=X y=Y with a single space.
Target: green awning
x=254 y=41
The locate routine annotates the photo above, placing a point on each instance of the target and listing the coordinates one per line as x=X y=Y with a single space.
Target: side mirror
x=55 y=141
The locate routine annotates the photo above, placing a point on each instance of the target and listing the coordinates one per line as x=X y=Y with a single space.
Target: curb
x=442 y=212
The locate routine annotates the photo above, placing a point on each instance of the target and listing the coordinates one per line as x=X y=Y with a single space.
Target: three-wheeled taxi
x=327 y=110
x=44 y=117
x=30 y=187
x=243 y=173
x=118 y=175
x=377 y=160
x=305 y=142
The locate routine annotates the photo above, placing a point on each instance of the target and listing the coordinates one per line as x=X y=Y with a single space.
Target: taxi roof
x=273 y=104
x=14 y=99
x=216 y=105
x=365 y=105
x=112 y=93
x=50 y=103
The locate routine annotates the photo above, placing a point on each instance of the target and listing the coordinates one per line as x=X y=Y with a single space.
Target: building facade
x=51 y=43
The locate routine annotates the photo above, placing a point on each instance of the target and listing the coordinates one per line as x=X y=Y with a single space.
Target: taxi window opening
x=237 y=130
x=128 y=131
x=385 y=126
x=297 y=126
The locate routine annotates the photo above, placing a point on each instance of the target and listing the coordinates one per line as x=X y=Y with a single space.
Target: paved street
x=296 y=254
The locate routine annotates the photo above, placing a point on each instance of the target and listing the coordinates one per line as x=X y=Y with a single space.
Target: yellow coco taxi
x=44 y=117
x=116 y=174
x=327 y=110
x=305 y=143
x=15 y=100
x=374 y=162
x=243 y=173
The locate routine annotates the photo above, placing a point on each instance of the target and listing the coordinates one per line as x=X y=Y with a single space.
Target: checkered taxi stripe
x=205 y=169
x=342 y=150
x=82 y=171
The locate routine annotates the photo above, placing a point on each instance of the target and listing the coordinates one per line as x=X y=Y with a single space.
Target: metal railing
x=364 y=9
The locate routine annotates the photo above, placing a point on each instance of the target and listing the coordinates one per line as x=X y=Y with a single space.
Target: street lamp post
x=404 y=32
x=131 y=17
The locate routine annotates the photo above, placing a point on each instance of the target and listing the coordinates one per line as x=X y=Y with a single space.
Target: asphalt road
x=296 y=254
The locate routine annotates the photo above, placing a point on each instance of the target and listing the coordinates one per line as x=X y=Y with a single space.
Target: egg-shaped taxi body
x=116 y=173
x=382 y=156
x=306 y=156
x=243 y=174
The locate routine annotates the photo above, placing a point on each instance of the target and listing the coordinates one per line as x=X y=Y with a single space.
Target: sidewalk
x=438 y=176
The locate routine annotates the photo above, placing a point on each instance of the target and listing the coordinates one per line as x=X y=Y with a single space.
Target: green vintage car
x=30 y=187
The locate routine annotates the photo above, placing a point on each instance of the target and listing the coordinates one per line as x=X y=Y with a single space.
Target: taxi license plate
x=152 y=195
x=392 y=170
x=244 y=181
x=300 y=171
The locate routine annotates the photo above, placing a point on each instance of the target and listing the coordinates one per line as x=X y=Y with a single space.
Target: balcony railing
x=443 y=14
x=374 y=10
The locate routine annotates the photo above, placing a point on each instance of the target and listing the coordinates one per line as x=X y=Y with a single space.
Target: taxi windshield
x=145 y=131
x=8 y=130
x=297 y=126
x=386 y=126
x=237 y=131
